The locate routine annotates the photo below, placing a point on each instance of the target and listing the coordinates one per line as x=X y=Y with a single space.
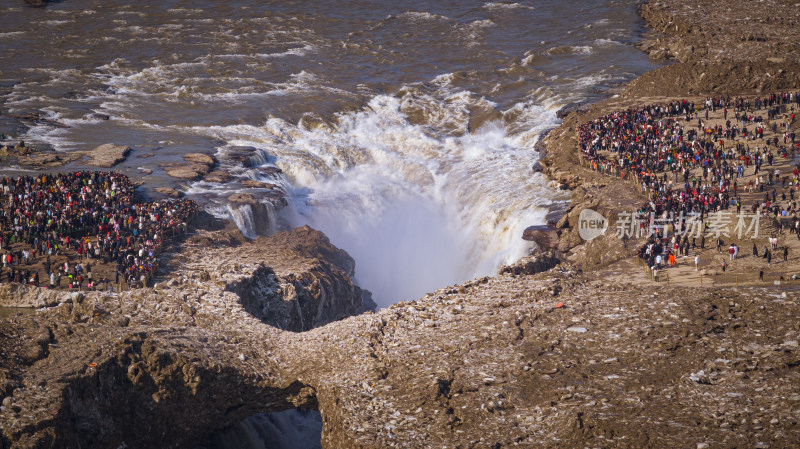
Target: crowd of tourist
x=90 y=217
x=682 y=163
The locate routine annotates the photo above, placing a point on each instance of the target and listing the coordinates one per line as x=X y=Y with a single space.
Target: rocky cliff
x=101 y=369
x=301 y=280
x=494 y=362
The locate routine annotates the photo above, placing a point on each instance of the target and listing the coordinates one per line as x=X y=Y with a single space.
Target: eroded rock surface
x=136 y=368
x=107 y=155
x=489 y=362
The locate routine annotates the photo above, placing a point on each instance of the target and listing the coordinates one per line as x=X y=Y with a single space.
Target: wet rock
x=242 y=198
x=200 y=158
x=198 y=166
x=546 y=237
x=300 y=301
x=169 y=191
x=257 y=184
x=218 y=177
x=189 y=172
x=241 y=155
x=48 y=159
x=258 y=213
x=107 y=155
x=273 y=172
x=368 y=304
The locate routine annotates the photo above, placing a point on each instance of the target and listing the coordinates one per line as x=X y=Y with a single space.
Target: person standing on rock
x=785 y=253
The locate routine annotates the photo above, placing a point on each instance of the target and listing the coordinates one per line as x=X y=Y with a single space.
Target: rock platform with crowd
x=692 y=165
x=83 y=230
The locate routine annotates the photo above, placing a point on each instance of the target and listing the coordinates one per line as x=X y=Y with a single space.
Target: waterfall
x=244 y=218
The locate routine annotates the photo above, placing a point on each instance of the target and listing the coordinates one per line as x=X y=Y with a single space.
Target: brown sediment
x=493 y=362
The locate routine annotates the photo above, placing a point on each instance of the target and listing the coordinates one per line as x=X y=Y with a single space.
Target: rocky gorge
x=541 y=355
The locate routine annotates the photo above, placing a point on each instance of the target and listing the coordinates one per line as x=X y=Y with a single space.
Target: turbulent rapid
x=406 y=132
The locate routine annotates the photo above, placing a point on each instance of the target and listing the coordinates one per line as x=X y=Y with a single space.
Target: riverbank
x=710 y=55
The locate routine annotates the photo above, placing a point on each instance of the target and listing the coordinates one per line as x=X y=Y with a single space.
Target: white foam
x=415 y=206
x=55 y=136
x=297 y=51
x=17 y=168
x=571 y=49
x=607 y=43
x=485 y=23
x=244 y=218
x=422 y=16
x=178 y=83
x=54 y=22
x=529 y=58
x=185 y=10
x=506 y=5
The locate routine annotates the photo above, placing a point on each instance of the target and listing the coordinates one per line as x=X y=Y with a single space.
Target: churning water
x=404 y=130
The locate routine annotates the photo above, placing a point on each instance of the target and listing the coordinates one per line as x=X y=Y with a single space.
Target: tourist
x=88 y=214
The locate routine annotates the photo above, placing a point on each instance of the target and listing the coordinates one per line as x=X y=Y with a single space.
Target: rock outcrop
x=494 y=362
x=136 y=368
x=197 y=166
x=18 y=295
x=305 y=281
x=169 y=191
x=35 y=158
x=107 y=155
x=545 y=237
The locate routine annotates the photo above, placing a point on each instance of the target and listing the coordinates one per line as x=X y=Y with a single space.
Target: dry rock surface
x=107 y=155
x=36 y=158
x=493 y=362
x=197 y=165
